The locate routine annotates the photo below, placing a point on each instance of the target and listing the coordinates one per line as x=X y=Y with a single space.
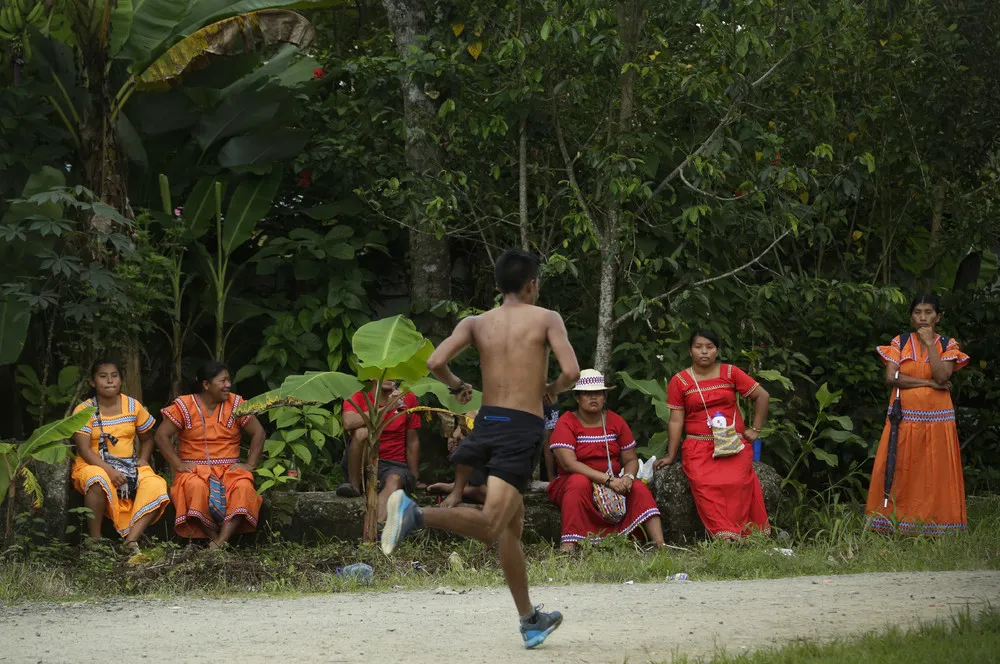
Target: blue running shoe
x=535 y=632
x=402 y=517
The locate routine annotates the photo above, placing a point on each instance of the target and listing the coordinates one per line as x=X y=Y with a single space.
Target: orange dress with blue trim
x=726 y=490
x=151 y=495
x=928 y=490
x=211 y=441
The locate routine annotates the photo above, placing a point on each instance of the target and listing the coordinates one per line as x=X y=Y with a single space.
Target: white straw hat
x=591 y=380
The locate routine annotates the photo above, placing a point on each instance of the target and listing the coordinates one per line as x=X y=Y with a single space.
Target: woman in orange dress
x=927 y=494
x=208 y=452
x=131 y=495
x=726 y=490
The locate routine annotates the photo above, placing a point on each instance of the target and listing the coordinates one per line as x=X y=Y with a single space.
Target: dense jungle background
x=252 y=180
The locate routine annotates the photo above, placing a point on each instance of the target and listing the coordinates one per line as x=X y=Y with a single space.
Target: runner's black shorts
x=504 y=444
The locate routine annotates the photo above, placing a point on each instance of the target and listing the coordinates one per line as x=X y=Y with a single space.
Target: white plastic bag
x=645 y=473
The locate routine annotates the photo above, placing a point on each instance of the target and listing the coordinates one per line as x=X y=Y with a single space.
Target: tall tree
x=430 y=255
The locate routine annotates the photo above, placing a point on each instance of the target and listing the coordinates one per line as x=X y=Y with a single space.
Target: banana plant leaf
x=227 y=37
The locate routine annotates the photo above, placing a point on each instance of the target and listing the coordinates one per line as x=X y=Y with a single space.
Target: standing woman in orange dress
x=213 y=490
x=927 y=493
x=111 y=470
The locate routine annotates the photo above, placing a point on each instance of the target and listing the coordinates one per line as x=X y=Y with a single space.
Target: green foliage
x=50 y=397
x=968 y=637
x=305 y=438
x=15 y=315
x=45 y=444
x=790 y=183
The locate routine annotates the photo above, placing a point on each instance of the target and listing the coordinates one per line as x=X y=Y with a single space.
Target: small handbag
x=726 y=440
x=609 y=504
x=216 y=489
x=127 y=466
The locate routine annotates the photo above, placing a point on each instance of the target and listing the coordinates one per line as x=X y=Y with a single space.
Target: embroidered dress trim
x=182 y=518
x=212 y=462
x=185 y=413
x=639 y=520
x=723 y=386
x=886 y=357
x=172 y=419
x=926 y=415
x=241 y=511
x=563 y=445
x=882 y=524
x=121 y=419
x=608 y=438
x=147 y=425
x=144 y=511
x=104 y=485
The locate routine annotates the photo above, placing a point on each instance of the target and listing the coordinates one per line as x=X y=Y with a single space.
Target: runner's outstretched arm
x=460 y=339
x=565 y=356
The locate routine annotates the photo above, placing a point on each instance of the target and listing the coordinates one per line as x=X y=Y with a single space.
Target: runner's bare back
x=513 y=345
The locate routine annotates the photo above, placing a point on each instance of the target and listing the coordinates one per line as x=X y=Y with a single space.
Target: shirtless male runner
x=513 y=342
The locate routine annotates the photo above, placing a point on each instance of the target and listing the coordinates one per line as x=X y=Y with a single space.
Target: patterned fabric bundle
x=727 y=441
x=609 y=503
x=124 y=465
x=216 y=497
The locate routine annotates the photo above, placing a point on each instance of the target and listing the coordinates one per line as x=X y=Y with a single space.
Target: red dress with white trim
x=726 y=490
x=573 y=493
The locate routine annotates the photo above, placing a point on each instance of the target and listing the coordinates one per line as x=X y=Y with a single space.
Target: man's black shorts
x=503 y=444
x=387 y=468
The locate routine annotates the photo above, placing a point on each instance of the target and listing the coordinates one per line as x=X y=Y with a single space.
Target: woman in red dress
x=726 y=490
x=583 y=442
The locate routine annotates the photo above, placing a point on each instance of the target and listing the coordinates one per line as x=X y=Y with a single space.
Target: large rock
x=57 y=493
x=680 y=518
x=308 y=516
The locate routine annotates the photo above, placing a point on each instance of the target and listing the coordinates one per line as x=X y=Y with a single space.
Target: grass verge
x=58 y=572
x=965 y=639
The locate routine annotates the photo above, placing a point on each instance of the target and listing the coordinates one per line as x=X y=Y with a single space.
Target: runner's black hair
x=515 y=268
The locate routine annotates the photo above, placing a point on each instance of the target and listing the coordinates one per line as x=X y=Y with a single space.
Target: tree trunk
x=609 y=290
x=937 y=215
x=430 y=256
x=132 y=364
x=522 y=181
x=103 y=165
x=369 y=462
x=631 y=19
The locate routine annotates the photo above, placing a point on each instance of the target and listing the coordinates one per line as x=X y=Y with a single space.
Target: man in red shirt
x=398 y=449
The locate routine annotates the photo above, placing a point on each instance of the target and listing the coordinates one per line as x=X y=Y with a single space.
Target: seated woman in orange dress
x=927 y=494
x=726 y=489
x=585 y=443
x=213 y=490
x=114 y=477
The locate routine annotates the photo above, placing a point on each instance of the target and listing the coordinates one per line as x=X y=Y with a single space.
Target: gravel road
x=653 y=621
